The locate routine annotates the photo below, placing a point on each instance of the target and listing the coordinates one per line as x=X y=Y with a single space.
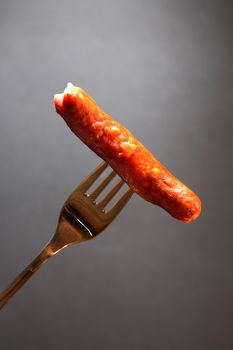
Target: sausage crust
x=125 y=154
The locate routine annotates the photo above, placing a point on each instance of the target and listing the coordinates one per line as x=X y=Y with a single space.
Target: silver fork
x=81 y=219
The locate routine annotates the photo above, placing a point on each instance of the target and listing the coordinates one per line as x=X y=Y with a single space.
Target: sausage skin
x=125 y=154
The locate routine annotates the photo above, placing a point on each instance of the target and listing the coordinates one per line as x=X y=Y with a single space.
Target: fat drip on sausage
x=125 y=154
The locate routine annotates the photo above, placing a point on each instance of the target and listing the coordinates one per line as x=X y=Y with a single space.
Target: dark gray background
x=165 y=70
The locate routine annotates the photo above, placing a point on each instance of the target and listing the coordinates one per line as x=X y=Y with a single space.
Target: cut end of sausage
x=66 y=102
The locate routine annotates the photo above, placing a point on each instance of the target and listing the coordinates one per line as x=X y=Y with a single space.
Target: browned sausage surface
x=125 y=154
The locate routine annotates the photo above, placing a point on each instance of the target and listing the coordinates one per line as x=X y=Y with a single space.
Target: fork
x=81 y=219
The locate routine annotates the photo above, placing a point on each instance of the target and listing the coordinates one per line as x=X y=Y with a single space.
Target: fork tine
x=119 y=204
x=102 y=186
x=85 y=184
x=110 y=195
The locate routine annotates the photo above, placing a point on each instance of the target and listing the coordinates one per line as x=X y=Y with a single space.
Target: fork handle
x=26 y=274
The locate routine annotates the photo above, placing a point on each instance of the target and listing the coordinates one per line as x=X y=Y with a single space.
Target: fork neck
x=69 y=231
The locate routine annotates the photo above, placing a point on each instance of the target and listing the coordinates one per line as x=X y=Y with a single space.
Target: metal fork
x=81 y=219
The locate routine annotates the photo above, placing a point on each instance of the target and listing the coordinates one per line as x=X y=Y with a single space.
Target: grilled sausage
x=125 y=154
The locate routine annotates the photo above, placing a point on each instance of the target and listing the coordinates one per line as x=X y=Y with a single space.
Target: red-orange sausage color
x=126 y=155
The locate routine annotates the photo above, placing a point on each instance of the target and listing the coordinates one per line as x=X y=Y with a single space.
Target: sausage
x=125 y=154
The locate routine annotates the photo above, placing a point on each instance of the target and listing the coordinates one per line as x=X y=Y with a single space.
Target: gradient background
x=165 y=70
